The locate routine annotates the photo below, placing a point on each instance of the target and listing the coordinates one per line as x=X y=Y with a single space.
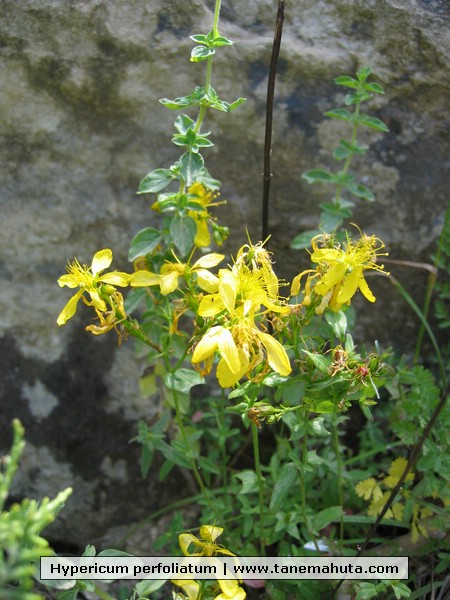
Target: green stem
x=255 y=441
x=101 y=593
x=339 y=474
x=348 y=160
x=220 y=418
x=198 y=478
x=303 y=482
x=209 y=62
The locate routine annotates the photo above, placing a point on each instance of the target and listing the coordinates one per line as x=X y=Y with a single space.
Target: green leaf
x=249 y=481
x=361 y=191
x=200 y=39
x=374 y=87
x=347 y=81
x=322 y=407
x=344 y=150
x=303 y=240
x=200 y=53
x=286 y=481
x=339 y=113
x=144 y=243
x=316 y=427
x=363 y=74
x=146 y=587
x=156 y=181
x=183 y=231
x=337 y=321
x=134 y=298
x=183 y=123
x=208 y=466
x=222 y=41
x=236 y=103
x=321 y=362
x=326 y=516
x=183 y=380
x=191 y=164
x=372 y=122
x=318 y=176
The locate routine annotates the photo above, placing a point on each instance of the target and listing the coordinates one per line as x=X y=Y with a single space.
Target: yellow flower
x=341 y=271
x=241 y=347
x=167 y=278
x=90 y=281
x=241 y=293
x=231 y=590
x=206 y=545
x=204 y=197
x=109 y=320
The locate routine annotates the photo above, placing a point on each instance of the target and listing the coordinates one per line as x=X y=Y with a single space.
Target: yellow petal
x=203 y=237
x=230 y=590
x=208 y=261
x=185 y=540
x=365 y=290
x=97 y=300
x=168 y=282
x=295 y=286
x=68 y=280
x=144 y=278
x=326 y=254
x=102 y=259
x=116 y=278
x=207 y=345
x=349 y=286
x=207 y=281
x=228 y=350
x=228 y=288
x=189 y=586
x=211 y=305
x=70 y=309
x=226 y=377
x=330 y=279
x=210 y=533
x=276 y=354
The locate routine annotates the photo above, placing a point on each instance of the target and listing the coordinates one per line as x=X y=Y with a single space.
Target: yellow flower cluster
x=340 y=271
x=95 y=290
x=243 y=292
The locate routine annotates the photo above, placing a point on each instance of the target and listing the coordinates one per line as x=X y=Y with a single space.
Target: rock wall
x=79 y=87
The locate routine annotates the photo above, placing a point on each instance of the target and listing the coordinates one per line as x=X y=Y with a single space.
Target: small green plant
x=21 y=542
x=343 y=181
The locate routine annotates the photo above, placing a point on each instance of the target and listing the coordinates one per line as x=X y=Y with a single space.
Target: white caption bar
x=242 y=567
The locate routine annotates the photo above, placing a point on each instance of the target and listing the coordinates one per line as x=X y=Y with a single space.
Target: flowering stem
x=134 y=329
x=339 y=187
x=198 y=478
x=303 y=483
x=209 y=61
x=255 y=441
x=339 y=473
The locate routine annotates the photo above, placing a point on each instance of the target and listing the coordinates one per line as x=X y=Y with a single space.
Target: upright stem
x=209 y=61
x=267 y=175
x=303 y=483
x=190 y=456
x=348 y=160
x=339 y=473
x=255 y=441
